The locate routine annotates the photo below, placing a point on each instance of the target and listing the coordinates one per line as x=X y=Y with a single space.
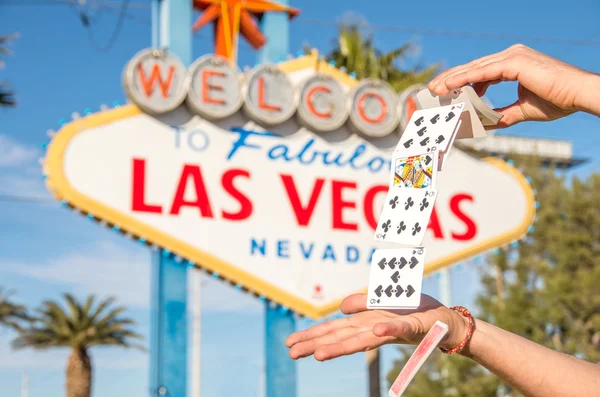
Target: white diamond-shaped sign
x=288 y=214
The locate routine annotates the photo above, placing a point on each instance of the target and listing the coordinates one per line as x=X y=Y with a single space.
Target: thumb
x=397 y=328
x=512 y=114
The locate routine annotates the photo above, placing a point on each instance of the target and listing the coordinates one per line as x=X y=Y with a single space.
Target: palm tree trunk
x=79 y=374
x=372 y=357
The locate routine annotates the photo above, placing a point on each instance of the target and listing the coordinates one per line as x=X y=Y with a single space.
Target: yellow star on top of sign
x=232 y=17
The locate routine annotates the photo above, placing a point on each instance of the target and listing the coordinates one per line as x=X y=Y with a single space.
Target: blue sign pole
x=280 y=368
x=171 y=29
x=279 y=324
x=276 y=28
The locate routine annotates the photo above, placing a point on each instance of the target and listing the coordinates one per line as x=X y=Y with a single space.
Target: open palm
x=368 y=329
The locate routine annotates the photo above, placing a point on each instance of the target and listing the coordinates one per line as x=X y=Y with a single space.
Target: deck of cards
x=396 y=276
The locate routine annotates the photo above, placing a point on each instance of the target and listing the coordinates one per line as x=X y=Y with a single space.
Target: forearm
x=589 y=100
x=534 y=370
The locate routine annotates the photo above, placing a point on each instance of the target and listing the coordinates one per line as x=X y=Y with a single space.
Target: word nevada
x=158 y=82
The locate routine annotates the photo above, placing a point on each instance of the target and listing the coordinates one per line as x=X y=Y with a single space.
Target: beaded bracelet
x=465 y=313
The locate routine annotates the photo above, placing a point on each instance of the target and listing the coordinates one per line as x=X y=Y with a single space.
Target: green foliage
x=545 y=288
x=12 y=314
x=6 y=95
x=81 y=325
x=358 y=54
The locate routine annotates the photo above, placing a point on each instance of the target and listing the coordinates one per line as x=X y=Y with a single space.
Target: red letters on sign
x=245 y=204
x=193 y=173
x=303 y=214
x=191 y=180
x=361 y=107
x=262 y=103
x=369 y=204
x=138 y=189
x=338 y=204
x=311 y=106
x=434 y=225
x=155 y=76
x=471 y=227
x=207 y=87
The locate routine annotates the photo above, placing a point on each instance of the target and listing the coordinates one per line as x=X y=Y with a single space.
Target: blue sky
x=46 y=250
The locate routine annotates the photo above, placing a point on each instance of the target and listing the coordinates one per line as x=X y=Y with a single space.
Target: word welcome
x=158 y=83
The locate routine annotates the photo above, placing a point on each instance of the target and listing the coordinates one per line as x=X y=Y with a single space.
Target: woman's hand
x=548 y=88
x=368 y=329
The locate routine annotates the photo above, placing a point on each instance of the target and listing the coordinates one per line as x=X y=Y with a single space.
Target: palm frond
x=12 y=314
x=78 y=324
x=357 y=54
x=6 y=95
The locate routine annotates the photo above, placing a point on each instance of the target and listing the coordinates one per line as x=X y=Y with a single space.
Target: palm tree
x=357 y=54
x=81 y=326
x=11 y=313
x=6 y=95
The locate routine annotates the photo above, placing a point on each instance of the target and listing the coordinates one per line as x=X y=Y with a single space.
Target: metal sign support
x=171 y=29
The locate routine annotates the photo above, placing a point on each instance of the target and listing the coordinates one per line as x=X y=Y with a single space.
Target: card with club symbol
x=429 y=130
x=405 y=215
x=396 y=278
x=419 y=172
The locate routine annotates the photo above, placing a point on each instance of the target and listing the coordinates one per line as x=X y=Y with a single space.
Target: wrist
x=588 y=98
x=458 y=327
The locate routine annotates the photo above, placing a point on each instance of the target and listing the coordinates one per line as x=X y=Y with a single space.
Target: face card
x=418 y=172
x=396 y=278
x=472 y=129
x=405 y=215
x=429 y=130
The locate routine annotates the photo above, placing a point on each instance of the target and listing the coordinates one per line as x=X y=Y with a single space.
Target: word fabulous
x=158 y=82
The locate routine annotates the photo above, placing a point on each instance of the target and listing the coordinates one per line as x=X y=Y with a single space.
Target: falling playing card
x=418 y=358
x=444 y=155
x=473 y=126
x=419 y=172
x=395 y=279
x=429 y=130
x=405 y=215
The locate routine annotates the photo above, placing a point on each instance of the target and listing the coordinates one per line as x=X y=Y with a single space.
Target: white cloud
x=353 y=18
x=15 y=154
x=108 y=268
x=20 y=172
x=20 y=185
x=103 y=269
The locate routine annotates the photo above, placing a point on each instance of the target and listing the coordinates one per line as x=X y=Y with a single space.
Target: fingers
x=435 y=84
x=307 y=348
x=316 y=331
x=463 y=74
x=481 y=87
x=354 y=304
x=359 y=342
x=504 y=70
x=513 y=114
